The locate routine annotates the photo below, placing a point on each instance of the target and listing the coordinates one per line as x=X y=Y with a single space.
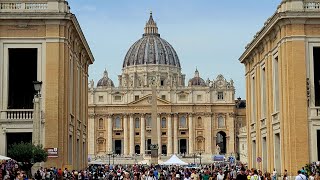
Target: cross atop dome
x=151 y=27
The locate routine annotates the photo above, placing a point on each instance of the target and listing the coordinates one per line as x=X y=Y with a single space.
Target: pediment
x=146 y=100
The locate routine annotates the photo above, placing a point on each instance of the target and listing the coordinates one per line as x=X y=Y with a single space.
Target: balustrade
x=19 y=114
x=312 y=5
x=10 y=5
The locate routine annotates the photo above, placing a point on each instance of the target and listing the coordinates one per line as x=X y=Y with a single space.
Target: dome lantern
x=151 y=27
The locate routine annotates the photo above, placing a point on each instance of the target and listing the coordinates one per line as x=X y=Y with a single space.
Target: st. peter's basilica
x=197 y=117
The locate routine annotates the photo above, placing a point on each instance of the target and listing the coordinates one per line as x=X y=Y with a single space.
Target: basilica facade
x=197 y=117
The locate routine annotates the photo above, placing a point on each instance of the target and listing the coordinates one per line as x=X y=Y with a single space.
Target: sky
x=208 y=34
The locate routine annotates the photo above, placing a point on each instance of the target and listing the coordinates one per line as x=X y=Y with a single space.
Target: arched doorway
x=137 y=149
x=222 y=142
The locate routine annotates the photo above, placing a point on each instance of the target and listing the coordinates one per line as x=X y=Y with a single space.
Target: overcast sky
x=208 y=34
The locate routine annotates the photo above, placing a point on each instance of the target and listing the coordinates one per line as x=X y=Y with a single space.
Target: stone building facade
x=282 y=88
x=42 y=41
x=191 y=118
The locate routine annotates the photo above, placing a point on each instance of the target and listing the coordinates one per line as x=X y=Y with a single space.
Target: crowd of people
x=10 y=170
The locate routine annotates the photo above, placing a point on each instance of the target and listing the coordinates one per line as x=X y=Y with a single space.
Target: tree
x=27 y=154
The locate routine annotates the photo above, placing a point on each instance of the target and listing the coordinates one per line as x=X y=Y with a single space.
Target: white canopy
x=174 y=160
x=4 y=158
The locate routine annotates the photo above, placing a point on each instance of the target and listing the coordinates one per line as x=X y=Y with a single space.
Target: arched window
x=183 y=122
x=137 y=123
x=220 y=122
x=118 y=123
x=199 y=123
x=149 y=121
x=101 y=126
x=163 y=122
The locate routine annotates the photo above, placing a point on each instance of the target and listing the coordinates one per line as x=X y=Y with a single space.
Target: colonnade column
x=175 y=134
x=143 y=136
x=109 y=133
x=191 y=137
x=169 y=148
x=131 y=135
x=125 y=135
x=159 y=134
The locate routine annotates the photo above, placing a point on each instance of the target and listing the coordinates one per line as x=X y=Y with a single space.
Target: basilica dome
x=151 y=49
x=196 y=80
x=105 y=81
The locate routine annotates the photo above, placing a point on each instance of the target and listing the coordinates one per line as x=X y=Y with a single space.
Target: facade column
x=169 y=140
x=91 y=133
x=191 y=136
x=175 y=134
x=232 y=133
x=208 y=140
x=131 y=135
x=125 y=135
x=159 y=134
x=109 y=148
x=143 y=135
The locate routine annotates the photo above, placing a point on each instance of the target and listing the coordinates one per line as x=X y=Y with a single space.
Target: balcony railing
x=18 y=113
x=312 y=5
x=315 y=112
x=37 y=6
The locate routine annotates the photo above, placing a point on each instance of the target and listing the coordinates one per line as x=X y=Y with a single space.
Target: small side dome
x=105 y=81
x=196 y=80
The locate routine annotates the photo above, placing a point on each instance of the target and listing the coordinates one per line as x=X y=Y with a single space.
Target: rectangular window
x=220 y=95
x=253 y=100
x=118 y=134
x=316 y=76
x=263 y=92
x=264 y=154
x=117 y=98
x=100 y=98
x=318 y=144
x=182 y=97
x=254 y=155
x=78 y=93
x=22 y=68
x=162 y=82
x=277 y=152
x=164 y=133
x=163 y=97
x=70 y=149
x=71 y=83
x=137 y=134
x=275 y=85
x=199 y=98
x=136 y=98
x=183 y=133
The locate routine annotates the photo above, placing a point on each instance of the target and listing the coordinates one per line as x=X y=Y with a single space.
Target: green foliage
x=27 y=152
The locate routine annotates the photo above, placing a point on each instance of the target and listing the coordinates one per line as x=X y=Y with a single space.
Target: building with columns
x=282 y=65
x=42 y=41
x=192 y=118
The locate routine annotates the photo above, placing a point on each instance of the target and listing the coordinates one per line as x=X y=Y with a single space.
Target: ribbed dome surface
x=105 y=81
x=151 y=49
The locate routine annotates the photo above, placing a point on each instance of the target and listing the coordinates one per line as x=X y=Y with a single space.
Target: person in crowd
x=300 y=176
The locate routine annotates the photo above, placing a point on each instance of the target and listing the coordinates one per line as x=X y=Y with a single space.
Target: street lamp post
x=200 y=153
x=36 y=133
x=113 y=158
x=109 y=154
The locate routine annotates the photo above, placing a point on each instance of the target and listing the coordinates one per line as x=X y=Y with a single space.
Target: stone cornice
x=277 y=20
